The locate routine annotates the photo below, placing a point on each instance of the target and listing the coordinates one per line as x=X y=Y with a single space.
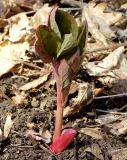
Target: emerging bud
x=63 y=141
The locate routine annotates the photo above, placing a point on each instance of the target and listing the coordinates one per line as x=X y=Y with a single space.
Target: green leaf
x=66 y=23
x=69 y=43
x=52 y=21
x=82 y=37
x=52 y=42
x=40 y=47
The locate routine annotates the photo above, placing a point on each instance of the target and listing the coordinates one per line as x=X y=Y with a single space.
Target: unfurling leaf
x=64 y=22
x=52 y=21
x=47 y=44
x=68 y=45
x=62 y=43
x=61 y=38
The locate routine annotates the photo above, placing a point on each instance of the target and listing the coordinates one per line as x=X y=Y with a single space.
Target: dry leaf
x=107 y=118
x=10 y=55
x=116 y=124
x=111 y=71
x=95 y=150
x=119 y=86
x=46 y=135
x=108 y=63
x=8 y=125
x=32 y=134
x=19 y=27
x=120 y=154
x=98 y=10
x=119 y=127
x=1 y=134
x=100 y=21
x=35 y=83
x=35 y=135
x=19 y=98
x=41 y=16
x=93 y=29
x=84 y=97
x=95 y=133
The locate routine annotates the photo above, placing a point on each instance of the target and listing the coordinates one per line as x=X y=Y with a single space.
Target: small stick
x=19 y=146
x=111 y=96
x=106 y=48
x=73 y=3
x=70 y=9
x=110 y=112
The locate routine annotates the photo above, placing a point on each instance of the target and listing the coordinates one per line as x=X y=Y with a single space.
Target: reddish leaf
x=52 y=22
x=63 y=76
x=39 y=47
x=48 y=43
x=63 y=141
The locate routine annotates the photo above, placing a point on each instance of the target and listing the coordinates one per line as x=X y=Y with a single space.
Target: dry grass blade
x=8 y=125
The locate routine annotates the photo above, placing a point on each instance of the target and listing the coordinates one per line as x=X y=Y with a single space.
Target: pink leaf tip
x=60 y=143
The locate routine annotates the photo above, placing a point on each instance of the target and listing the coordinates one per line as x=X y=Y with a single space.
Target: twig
x=73 y=3
x=111 y=96
x=30 y=65
x=70 y=9
x=106 y=48
x=111 y=112
x=19 y=146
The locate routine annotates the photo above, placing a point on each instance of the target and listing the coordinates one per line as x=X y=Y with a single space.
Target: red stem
x=59 y=113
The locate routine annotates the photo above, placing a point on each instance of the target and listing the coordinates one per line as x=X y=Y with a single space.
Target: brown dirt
x=19 y=147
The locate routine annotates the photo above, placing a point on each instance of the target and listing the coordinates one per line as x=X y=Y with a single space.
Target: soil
x=20 y=147
x=38 y=109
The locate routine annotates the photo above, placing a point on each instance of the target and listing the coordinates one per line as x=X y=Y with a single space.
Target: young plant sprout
x=62 y=42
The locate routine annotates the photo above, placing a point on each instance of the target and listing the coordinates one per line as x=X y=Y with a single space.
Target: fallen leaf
x=107 y=64
x=42 y=134
x=119 y=86
x=84 y=97
x=32 y=134
x=19 y=27
x=111 y=71
x=19 y=98
x=98 y=10
x=107 y=118
x=97 y=16
x=41 y=16
x=10 y=55
x=1 y=134
x=96 y=151
x=93 y=29
x=120 y=154
x=35 y=83
x=95 y=133
x=46 y=135
x=8 y=125
x=119 y=127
